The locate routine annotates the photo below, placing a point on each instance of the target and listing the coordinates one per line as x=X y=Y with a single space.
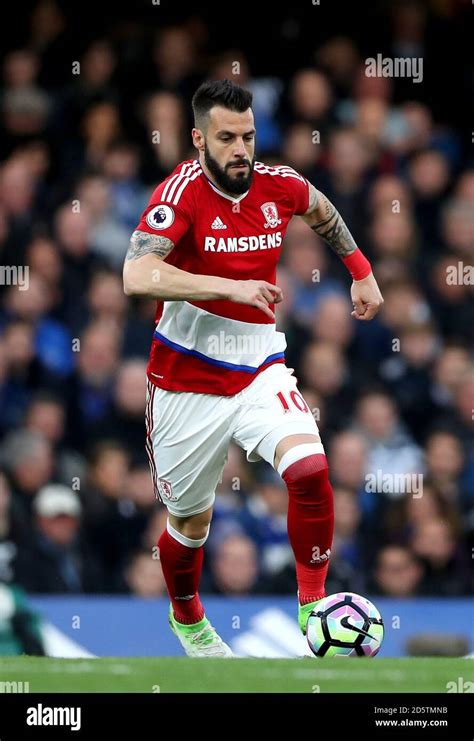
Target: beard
x=236 y=184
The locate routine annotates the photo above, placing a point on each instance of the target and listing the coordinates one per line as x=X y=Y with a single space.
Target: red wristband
x=357 y=264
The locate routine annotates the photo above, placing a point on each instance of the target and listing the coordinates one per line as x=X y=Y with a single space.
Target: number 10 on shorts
x=296 y=399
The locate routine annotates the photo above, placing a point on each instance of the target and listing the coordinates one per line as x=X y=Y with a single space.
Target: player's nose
x=239 y=149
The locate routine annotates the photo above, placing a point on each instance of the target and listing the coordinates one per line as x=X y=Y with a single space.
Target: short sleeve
x=165 y=219
x=298 y=190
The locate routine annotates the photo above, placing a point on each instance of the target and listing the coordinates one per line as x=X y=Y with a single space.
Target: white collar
x=224 y=195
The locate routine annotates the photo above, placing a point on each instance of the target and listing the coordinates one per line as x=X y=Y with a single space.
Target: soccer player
x=206 y=249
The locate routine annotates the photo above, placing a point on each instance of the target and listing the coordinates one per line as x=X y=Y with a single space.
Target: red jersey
x=218 y=347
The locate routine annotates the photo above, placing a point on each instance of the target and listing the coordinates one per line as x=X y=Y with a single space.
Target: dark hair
x=219 y=92
x=103 y=446
x=46 y=396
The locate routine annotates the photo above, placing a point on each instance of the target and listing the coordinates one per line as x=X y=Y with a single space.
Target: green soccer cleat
x=199 y=639
x=304 y=611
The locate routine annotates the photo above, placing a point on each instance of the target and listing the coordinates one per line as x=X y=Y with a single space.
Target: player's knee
x=303 y=466
x=307 y=480
x=195 y=527
x=196 y=532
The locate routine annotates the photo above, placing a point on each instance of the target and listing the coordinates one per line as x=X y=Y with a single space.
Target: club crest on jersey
x=270 y=212
x=160 y=217
x=165 y=491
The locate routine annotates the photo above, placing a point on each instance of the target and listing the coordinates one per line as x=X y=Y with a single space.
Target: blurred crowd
x=81 y=149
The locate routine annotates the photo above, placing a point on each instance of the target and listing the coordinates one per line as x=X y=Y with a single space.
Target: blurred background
x=94 y=112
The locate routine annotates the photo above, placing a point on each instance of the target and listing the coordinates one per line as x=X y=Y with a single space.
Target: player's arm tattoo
x=142 y=243
x=327 y=222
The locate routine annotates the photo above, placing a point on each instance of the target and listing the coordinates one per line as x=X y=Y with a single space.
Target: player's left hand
x=366 y=298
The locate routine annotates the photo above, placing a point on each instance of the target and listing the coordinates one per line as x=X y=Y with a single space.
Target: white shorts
x=188 y=434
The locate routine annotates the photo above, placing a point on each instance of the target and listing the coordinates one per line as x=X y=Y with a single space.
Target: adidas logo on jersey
x=218 y=223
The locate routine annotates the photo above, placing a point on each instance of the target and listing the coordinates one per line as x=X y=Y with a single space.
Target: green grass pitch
x=234 y=675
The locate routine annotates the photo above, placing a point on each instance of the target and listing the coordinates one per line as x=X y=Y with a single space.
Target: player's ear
x=198 y=139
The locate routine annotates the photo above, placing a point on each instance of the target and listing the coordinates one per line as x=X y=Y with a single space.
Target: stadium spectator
x=125 y=418
x=307 y=263
x=324 y=370
x=397 y=573
x=108 y=464
x=392 y=449
x=444 y=555
x=27 y=457
x=46 y=414
x=126 y=192
x=444 y=464
x=109 y=239
x=232 y=490
x=164 y=121
x=56 y=559
x=234 y=568
x=144 y=577
x=403 y=515
x=89 y=391
x=263 y=519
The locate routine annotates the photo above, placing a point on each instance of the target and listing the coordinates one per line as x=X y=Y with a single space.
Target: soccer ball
x=345 y=624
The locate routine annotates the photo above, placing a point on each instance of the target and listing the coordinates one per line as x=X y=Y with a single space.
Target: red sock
x=182 y=568
x=310 y=523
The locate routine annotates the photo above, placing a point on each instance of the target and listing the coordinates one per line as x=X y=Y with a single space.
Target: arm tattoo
x=142 y=243
x=331 y=227
x=313 y=199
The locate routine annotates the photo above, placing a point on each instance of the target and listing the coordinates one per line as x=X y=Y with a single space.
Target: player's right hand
x=256 y=293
